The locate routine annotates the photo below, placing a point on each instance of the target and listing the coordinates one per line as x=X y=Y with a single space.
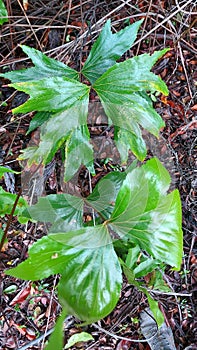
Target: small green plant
x=138 y=221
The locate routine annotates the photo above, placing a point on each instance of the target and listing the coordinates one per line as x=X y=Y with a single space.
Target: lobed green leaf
x=55 y=131
x=148 y=217
x=108 y=48
x=122 y=90
x=52 y=94
x=44 y=67
x=130 y=76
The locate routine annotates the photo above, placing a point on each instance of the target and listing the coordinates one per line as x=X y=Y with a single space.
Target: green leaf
x=127 y=117
x=127 y=140
x=56 y=340
x=4 y=170
x=103 y=197
x=157 y=282
x=145 y=267
x=132 y=257
x=90 y=286
x=55 y=132
x=46 y=257
x=158 y=316
x=122 y=90
x=59 y=209
x=78 y=151
x=7 y=201
x=127 y=77
x=39 y=119
x=51 y=94
x=152 y=303
x=108 y=48
x=44 y=67
x=3 y=13
x=148 y=217
x=78 y=337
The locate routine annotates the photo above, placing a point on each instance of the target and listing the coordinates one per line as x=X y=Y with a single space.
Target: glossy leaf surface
x=97 y=283
x=44 y=67
x=83 y=263
x=122 y=90
x=3 y=13
x=39 y=119
x=147 y=216
x=55 y=132
x=127 y=77
x=51 y=94
x=128 y=140
x=108 y=48
x=59 y=209
x=46 y=257
x=103 y=197
x=78 y=151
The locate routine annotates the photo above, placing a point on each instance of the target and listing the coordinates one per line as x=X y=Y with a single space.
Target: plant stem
x=10 y=219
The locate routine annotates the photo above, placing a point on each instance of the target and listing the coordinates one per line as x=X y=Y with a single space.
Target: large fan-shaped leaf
x=90 y=286
x=108 y=48
x=51 y=94
x=44 y=67
x=147 y=216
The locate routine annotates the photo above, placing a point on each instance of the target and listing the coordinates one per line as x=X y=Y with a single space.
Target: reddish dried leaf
x=30 y=334
x=21 y=329
x=21 y=296
x=194 y=108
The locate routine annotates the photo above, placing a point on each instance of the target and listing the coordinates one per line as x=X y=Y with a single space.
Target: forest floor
x=65 y=30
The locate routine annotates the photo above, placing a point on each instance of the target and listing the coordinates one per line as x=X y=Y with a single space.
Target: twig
x=124 y=338
x=50 y=306
x=28 y=21
x=10 y=219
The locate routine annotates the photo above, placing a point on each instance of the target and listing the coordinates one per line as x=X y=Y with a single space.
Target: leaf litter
x=32 y=316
